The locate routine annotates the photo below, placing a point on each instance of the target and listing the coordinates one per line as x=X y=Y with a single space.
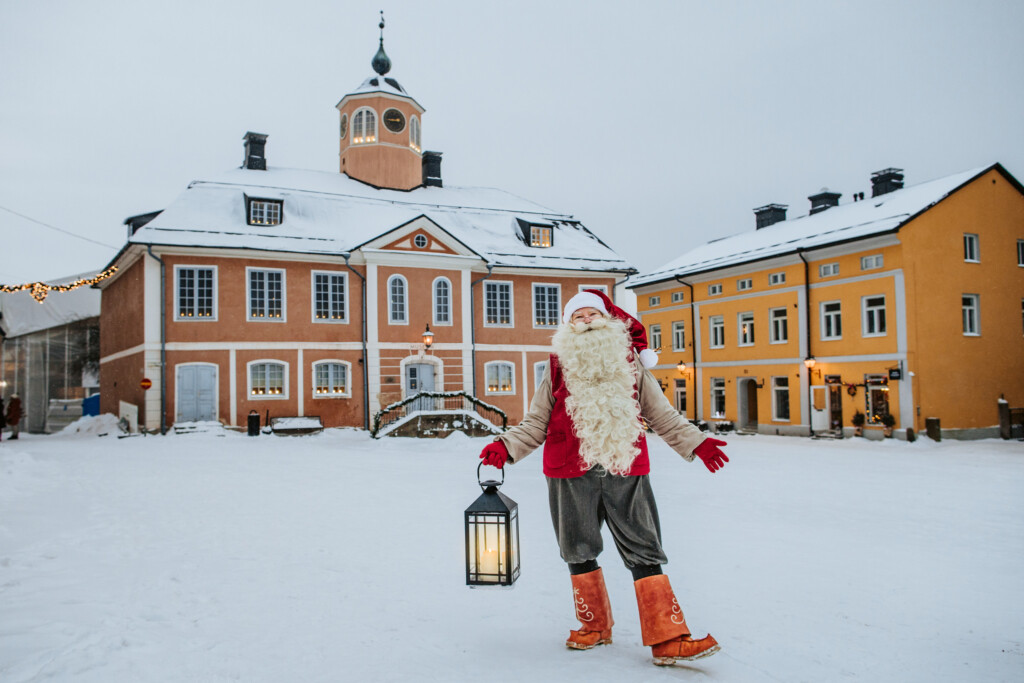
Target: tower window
x=414 y=133
x=364 y=127
x=265 y=211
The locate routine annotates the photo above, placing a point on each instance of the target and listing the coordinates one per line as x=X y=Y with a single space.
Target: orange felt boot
x=662 y=624
x=593 y=609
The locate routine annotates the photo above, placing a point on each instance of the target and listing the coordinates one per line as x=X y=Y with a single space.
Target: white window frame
x=654 y=337
x=540 y=369
x=654 y=301
x=602 y=288
x=678 y=297
x=512 y=376
x=420 y=241
x=743 y=284
x=537 y=234
x=716 y=329
x=438 y=322
x=867 y=314
x=557 y=319
x=284 y=379
x=872 y=262
x=489 y=284
x=414 y=133
x=971 y=313
x=775 y=279
x=177 y=293
x=773 y=328
x=270 y=208
x=248 y=295
x=828 y=269
x=836 y=314
x=392 y=320
x=715 y=289
x=717 y=389
x=348 y=379
x=972 y=251
x=1020 y=253
x=776 y=388
x=745 y=338
x=873 y=383
x=360 y=135
x=330 y=296
x=679 y=335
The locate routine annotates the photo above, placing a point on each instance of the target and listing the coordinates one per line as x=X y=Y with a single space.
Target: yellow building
x=909 y=303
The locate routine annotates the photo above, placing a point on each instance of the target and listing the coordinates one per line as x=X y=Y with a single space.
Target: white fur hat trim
x=583 y=300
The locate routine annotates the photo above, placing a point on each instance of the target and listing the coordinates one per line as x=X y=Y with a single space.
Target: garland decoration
x=40 y=290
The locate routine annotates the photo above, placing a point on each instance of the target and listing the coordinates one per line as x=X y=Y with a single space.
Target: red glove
x=495 y=454
x=709 y=451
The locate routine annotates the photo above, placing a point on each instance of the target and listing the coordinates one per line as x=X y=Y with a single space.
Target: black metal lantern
x=492 y=536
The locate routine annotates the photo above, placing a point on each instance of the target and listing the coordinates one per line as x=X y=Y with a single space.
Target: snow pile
x=95 y=424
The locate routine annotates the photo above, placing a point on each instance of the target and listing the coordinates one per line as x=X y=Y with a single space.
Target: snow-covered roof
x=381 y=84
x=23 y=315
x=837 y=224
x=330 y=213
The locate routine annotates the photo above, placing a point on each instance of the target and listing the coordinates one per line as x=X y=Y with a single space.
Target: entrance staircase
x=431 y=414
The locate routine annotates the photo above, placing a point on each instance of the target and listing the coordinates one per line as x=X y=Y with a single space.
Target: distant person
x=14 y=415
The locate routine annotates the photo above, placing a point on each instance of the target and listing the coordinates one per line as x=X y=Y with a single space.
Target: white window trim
x=789 y=390
x=717 y=292
x=511 y=303
x=312 y=297
x=415 y=134
x=864 y=316
x=877 y=260
x=833 y=266
x=405 y=302
x=487 y=391
x=977 y=314
x=711 y=332
x=252 y=201
x=348 y=379
x=654 y=300
x=821 y=319
x=177 y=301
x=433 y=302
x=248 y=295
x=248 y=380
x=352 y=124
x=744 y=284
x=540 y=233
x=678 y=325
x=654 y=334
x=602 y=288
x=1020 y=253
x=678 y=297
x=536 y=367
x=776 y=279
x=558 y=312
x=977 y=247
x=711 y=397
x=771 y=325
x=739 y=328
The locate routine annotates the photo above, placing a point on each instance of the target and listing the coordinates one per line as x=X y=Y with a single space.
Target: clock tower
x=379 y=130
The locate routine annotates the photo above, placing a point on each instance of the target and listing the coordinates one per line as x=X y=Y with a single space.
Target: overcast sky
x=660 y=125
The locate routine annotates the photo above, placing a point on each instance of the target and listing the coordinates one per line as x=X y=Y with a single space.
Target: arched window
x=442 y=301
x=268 y=379
x=500 y=377
x=398 y=302
x=414 y=133
x=331 y=379
x=364 y=127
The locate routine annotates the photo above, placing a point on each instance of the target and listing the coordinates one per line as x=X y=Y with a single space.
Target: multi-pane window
x=499 y=377
x=398 y=300
x=717 y=397
x=744 y=284
x=971 y=252
x=777 y=279
x=745 y=328
x=871 y=262
x=266 y=294
x=414 y=133
x=714 y=290
x=330 y=380
x=264 y=212
x=540 y=236
x=831 y=320
x=498 y=303
x=266 y=380
x=600 y=288
x=874 y=316
x=679 y=336
x=654 y=301
x=539 y=371
x=828 y=269
x=1020 y=252
x=364 y=127
x=717 y=323
x=196 y=294
x=442 y=301
x=876 y=398
x=678 y=297
x=547 y=307
x=329 y=297
x=971 y=314
x=681 y=396
x=779 y=333
x=655 y=337
x=780 y=399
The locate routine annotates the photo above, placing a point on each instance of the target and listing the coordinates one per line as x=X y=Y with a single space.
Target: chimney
x=885 y=181
x=432 y=169
x=824 y=200
x=254 y=156
x=770 y=214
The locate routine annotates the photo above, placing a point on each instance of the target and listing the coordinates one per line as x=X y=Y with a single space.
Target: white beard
x=605 y=414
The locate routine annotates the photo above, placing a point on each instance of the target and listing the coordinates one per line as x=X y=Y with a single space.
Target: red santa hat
x=595 y=298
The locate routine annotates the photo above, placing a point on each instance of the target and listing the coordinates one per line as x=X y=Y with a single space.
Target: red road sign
x=146 y=383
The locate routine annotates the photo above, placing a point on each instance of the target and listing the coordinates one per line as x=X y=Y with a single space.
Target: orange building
x=908 y=303
x=305 y=293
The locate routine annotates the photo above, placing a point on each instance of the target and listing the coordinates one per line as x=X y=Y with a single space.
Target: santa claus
x=588 y=414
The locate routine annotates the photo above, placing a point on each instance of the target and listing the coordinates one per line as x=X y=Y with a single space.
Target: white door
x=419 y=377
x=196 y=389
x=819 y=408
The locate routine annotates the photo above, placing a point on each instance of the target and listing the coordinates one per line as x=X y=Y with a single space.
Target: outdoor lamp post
x=428 y=337
x=492 y=536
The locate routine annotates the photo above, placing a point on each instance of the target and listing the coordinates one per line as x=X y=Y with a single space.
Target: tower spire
x=381 y=62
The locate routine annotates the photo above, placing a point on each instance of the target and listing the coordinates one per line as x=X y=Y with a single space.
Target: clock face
x=344 y=126
x=394 y=120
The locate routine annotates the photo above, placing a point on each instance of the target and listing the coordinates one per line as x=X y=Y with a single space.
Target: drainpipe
x=366 y=370
x=163 y=341
x=807 y=335
x=693 y=343
x=472 y=322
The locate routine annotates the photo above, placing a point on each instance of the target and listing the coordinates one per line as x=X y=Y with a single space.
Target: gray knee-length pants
x=580 y=505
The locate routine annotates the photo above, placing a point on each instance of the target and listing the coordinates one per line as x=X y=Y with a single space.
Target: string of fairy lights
x=40 y=290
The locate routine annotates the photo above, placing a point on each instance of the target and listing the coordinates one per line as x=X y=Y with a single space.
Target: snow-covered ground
x=218 y=557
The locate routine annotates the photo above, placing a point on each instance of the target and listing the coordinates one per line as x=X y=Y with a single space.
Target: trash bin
x=254 y=423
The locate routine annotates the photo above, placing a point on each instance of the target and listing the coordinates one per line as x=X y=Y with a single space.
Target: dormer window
x=265 y=211
x=364 y=127
x=540 y=236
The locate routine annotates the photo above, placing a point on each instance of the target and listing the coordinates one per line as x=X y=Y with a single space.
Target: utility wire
x=51 y=227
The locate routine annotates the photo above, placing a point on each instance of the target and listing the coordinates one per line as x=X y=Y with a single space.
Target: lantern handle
x=485 y=484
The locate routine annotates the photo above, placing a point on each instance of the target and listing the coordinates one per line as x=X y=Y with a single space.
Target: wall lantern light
x=809 y=362
x=428 y=337
x=681 y=367
x=492 y=536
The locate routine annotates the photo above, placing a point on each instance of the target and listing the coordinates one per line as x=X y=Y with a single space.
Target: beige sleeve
x=676 y=430
x=524 y=438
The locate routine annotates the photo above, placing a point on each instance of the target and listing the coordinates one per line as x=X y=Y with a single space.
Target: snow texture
x=221 y=557
x=23 y=315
